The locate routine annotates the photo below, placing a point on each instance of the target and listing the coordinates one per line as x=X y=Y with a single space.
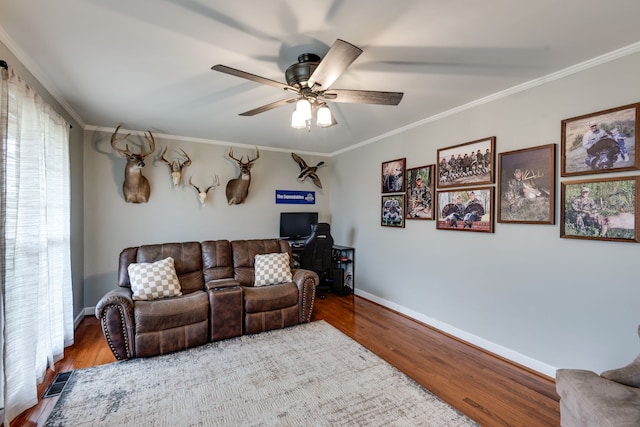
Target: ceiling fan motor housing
x=324 y=71
x=297 y=75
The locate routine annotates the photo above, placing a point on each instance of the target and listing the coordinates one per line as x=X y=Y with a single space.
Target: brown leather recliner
x=216 y=278
x=275 y=306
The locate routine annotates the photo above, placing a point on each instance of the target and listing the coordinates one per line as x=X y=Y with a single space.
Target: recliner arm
x=115 y=312
x=221 y=283
x=627 y=375
x=306 y=281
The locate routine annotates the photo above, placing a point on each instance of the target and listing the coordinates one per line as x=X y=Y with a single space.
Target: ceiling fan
x=310 y=80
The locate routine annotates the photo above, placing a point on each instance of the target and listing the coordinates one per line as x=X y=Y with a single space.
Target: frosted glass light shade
x=304 y=108
x=323 y=116
x=297 y=121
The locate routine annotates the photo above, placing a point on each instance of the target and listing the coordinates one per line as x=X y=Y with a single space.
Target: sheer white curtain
x=37 y=301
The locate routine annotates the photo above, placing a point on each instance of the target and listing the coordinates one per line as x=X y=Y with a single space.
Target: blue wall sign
x=293 y=197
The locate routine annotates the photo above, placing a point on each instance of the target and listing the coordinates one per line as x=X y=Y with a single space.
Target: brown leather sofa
x=218 y=298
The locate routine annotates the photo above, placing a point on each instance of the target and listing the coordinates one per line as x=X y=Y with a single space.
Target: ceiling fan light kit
x=310 y=79
x=297 y=121
x=303 y=108
x=324 y=117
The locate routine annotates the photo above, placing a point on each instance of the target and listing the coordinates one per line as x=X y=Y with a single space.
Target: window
x=36 y=308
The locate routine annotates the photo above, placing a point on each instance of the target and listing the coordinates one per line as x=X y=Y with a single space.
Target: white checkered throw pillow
x=154 y=280
x=271 y=269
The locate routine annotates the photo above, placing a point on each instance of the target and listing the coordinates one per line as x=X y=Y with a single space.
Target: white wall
x=522 y=292
x=175 y=215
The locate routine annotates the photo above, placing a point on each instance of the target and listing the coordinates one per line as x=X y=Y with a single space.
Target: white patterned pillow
x=153 y=280
x=271 y=269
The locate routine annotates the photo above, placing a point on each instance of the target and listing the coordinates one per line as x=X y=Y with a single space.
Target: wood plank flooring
x=488 y=389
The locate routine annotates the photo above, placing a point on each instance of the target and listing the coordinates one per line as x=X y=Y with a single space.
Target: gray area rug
x=307 y=375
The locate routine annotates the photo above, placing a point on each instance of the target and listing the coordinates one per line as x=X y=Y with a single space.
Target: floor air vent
x=57 y=385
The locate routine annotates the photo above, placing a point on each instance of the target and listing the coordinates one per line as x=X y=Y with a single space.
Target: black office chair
x=317 y=255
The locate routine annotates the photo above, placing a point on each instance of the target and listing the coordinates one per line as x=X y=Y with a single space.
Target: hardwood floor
x=488 y=389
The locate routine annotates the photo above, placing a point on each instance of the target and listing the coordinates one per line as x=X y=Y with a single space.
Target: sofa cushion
x=217 y=262
x=170 y=313
x=587 y=400
x=187 y=259
x=266 y=298
x=271 y=269
x=150 y=281
x=170 y=324
x=628 y=375
x=245 y=251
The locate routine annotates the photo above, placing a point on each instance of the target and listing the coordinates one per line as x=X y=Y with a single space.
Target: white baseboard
x=499 y=350
x=87 y=311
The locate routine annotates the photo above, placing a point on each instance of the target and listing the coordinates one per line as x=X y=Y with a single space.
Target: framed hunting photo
x=600 y=142
x=526 y=185
x=470 y=163
x=392 y=211
x=420 y=190
x=468 y=209
x=603 y=209
x=393 y=176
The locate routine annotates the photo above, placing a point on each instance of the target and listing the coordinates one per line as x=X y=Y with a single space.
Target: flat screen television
x=296 y=225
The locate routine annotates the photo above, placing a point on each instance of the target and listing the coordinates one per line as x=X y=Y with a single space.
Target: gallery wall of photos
x=463 y=192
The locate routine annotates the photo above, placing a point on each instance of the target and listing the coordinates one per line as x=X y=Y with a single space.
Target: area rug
x=307 y=375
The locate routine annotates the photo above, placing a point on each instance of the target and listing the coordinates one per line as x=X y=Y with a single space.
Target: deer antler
x=152 y=143
x=115 y=140
x=216 y=183
x=167 y=162
x=254 y=159
x=175 y=165
x=249 y=159
x=528 y=174
x=126 y=151
x=193 y=185
x=231 y=155
x=187 y=162
x=202 y=195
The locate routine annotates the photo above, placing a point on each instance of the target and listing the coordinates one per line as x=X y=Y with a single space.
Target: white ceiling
x=146 y=64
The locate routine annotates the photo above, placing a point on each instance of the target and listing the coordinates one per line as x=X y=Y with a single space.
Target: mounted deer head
x=176 y=166
x=136 y=187
x=238 y=188
x=202 y=194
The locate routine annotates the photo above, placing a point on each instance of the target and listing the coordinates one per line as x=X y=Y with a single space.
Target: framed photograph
x=392 y=211
x=468 y=209
x=603 y=209
x=420 y=190
x=526 y=185
x=470 y=163
x=600 y=142
x=393 y=176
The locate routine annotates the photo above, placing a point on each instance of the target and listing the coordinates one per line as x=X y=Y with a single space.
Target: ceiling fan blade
x=363 y=96
x=252 y=77
x=335 y=62
x=268 y=107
